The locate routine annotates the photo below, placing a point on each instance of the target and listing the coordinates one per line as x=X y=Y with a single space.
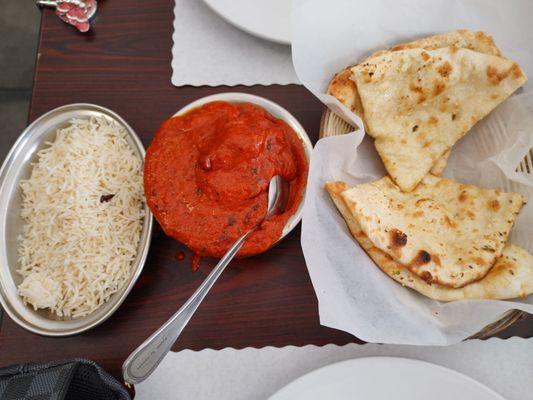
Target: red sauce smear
x=207 y=173
x=195 y=263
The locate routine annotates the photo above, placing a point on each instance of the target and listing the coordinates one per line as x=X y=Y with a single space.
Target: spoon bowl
x=278 y=196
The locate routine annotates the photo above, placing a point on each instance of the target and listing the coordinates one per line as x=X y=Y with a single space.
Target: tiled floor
x=19 y=30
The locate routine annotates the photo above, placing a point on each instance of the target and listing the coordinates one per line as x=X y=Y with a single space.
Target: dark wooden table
x=124 y=64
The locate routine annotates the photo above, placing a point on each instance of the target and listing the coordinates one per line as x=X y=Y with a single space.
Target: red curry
x=207 y=173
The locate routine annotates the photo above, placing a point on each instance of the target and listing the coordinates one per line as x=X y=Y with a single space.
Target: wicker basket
x=333 y=125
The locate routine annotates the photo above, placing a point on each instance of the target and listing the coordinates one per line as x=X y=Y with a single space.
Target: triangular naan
x=445 y=232
x=344 y=89
x=417 y=103
x=463 y=38
x=510 y=277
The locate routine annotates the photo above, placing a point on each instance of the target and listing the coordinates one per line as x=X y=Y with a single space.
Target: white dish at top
x=385 y=378
x=267 y=19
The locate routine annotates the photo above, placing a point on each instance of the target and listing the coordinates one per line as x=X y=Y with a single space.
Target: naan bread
x=462 y=38
x=343 y=87
x=417 y=103
x=510 y=277
x=440 y=164
x=444 y=232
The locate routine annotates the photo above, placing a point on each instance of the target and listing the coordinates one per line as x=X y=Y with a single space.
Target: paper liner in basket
x=353 y=294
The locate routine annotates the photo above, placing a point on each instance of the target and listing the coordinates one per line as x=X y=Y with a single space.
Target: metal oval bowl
x=277 y=111
x=16 y=167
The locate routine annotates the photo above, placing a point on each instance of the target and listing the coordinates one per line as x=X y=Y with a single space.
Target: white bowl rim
x=277 y=111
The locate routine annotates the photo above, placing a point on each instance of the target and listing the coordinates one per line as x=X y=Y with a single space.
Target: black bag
x=60 y=380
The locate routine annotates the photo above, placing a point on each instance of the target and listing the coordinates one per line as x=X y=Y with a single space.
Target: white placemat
x=506 y=366
x=209 y=51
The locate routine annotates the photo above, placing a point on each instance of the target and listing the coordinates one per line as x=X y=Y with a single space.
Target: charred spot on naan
x=438 y=87
x=427 y=277
x=488 y=42
x=488 y=248
x=423 y=257
x=494 y=205
x=433 y=120
x=496 y=76
x=397 y=238
x=445 y=69
x=416 y=88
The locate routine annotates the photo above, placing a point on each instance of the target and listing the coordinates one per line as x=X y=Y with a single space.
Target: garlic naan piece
x=440 y=164
x=510 y=277
x=444 y=232
x=462 y=38
x=343 y=87
x=417 y=103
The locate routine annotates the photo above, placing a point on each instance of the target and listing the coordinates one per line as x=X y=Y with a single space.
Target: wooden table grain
x=267 y=300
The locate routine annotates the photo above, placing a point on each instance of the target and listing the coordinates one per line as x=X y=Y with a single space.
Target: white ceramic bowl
x=277 y=111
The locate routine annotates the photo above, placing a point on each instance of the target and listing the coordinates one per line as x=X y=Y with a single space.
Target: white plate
x=267 y=19
x=385 y=378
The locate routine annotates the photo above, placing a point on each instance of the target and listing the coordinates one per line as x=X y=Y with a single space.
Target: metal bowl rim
x=144 y=241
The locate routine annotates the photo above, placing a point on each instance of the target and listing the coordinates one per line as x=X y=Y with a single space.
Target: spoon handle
x=144 y=360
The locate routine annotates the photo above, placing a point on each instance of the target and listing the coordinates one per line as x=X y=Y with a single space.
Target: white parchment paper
x=353 y=294
x=255 y=374
x=210 y=51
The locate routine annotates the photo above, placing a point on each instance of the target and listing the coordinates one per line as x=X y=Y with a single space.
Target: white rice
x=76 y=249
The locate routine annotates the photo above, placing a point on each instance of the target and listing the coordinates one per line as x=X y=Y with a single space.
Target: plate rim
x=279 y=40
x=278 y=395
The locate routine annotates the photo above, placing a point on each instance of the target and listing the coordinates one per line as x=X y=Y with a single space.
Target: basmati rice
x=83 y=213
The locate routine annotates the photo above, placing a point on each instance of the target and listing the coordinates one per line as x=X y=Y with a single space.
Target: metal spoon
x=144 y=360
